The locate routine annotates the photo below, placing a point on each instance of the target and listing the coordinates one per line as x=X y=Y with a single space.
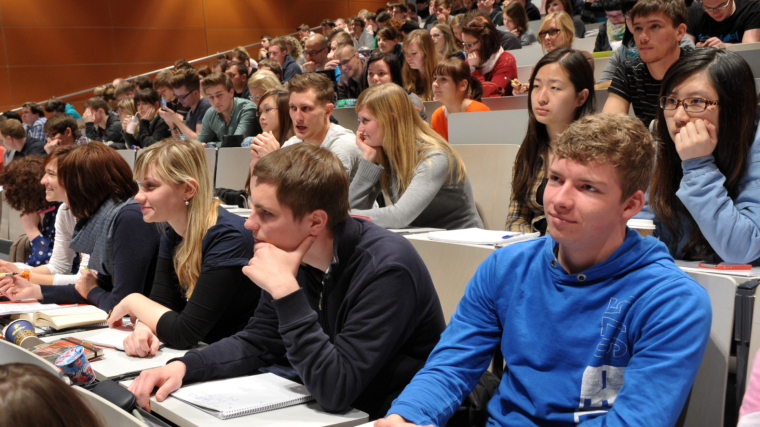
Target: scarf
x=94 y=235
x=488 y=65
x=615 y=32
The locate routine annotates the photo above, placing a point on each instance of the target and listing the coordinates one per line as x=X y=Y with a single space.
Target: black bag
x=474 y=412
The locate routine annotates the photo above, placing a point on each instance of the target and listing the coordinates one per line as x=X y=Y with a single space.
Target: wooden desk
x=306 y=415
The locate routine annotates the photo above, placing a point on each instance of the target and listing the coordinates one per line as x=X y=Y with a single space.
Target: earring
x=187 y=202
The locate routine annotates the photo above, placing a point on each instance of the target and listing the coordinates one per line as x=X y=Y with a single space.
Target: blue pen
x=516 y=235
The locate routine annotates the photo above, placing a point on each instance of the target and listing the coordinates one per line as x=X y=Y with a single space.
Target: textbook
x=51 y=350
x=63 y=318
x=114 y=337
x=236 y=397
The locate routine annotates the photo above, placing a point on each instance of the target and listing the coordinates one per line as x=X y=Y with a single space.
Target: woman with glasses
x=562 y=91
x=705 y=192
x=261 y=82
x=567 y=7
x=516 y=21
x=717 y=23
x=445 y=42
x=421 y=58
x=556 y=31
x=276 y=124
x=488 y=61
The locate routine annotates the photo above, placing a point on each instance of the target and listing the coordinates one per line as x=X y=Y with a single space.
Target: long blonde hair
x=178 y=161
x=407 y=139
x=128 y=105
x=421 y=81
x=564 y=23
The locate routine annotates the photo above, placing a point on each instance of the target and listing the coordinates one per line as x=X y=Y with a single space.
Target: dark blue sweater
x=135 y=250
x=356 y=335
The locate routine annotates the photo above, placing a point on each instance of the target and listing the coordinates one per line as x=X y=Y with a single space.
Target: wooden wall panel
x=243 y=14
x=312 y=12
x=158 y=13
x=56 y=13
x=5 y=87
x=218 y=39
x=158 y=44
x=355 y=6
x=3 y=57
x=55 y=47
x=39 y=83
x=59 y=46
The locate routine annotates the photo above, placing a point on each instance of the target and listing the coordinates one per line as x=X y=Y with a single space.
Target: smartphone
x=726 y=266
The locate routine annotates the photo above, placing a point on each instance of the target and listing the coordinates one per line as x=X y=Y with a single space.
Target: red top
x=505 y=67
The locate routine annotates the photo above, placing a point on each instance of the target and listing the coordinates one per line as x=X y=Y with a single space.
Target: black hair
x=733 y=80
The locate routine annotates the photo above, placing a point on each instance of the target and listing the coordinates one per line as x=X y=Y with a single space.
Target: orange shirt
x=440 y=123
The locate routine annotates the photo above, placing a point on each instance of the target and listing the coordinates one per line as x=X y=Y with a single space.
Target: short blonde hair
x=622 y=141
x=564 y=23
x=266 y=80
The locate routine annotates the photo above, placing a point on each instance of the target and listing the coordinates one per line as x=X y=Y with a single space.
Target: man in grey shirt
x=230 y=115
x=311 y=104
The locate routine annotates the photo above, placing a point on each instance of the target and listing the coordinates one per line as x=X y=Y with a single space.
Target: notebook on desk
x=236 y=397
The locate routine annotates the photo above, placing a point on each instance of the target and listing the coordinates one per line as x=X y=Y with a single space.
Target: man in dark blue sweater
x=348 y=304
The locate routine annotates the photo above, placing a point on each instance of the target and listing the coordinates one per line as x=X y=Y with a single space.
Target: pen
x=138 y=416
x=518 y=84
x=510 y=236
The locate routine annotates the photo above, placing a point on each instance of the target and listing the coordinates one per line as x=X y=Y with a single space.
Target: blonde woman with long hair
x=199 y=291
x=413 y=166
x=421 y=59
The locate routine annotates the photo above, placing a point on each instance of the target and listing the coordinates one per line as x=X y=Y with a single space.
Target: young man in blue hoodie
x=597 y=325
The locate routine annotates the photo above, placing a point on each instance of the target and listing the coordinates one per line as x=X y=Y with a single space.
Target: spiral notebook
x=236 y=397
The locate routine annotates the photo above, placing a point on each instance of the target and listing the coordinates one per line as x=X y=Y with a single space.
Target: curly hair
x=21 y=179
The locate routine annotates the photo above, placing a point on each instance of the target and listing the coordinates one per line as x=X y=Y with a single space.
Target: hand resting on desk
x=167 y=378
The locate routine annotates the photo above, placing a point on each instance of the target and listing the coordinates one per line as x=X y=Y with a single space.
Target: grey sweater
x=429 y=201
x=340 y=141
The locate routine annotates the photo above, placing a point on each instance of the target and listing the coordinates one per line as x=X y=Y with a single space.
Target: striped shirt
x=633 y=82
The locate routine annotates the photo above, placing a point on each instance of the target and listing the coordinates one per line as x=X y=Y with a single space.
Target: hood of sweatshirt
x=635 y=253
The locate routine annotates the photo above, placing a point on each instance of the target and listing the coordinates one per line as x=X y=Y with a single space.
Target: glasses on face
x=470 y=45
x=53 y=135
x=265 y=111
x=713 y=9
x=551 y=33
x=183 y=97
x=436 y=35
x=690 y=105
x=313 y=52
x=617 y=15
x=345 y=62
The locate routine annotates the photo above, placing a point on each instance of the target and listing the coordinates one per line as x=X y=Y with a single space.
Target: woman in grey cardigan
x=422 y=178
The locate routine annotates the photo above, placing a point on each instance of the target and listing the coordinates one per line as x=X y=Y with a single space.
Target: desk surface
x=115 y=362
x=306 y=415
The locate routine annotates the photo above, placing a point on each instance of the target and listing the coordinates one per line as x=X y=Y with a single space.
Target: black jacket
x=149 y=133
x=112 y=132
x=356 y=335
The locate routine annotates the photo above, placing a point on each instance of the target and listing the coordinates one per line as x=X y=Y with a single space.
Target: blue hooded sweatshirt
x=616 y=345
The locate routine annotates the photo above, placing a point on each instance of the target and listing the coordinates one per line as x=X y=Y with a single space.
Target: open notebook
x=236 y=397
